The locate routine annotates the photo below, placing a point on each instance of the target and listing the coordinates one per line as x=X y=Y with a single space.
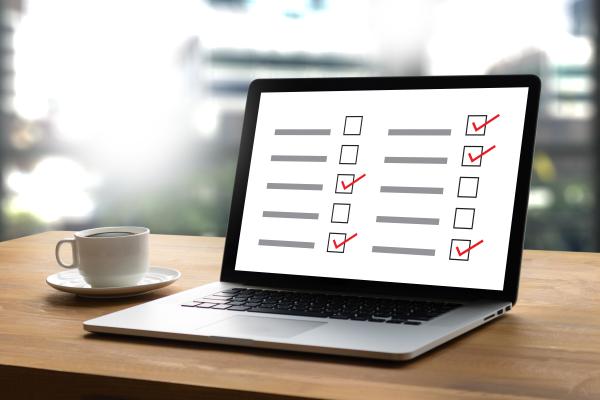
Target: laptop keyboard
x=357 y=308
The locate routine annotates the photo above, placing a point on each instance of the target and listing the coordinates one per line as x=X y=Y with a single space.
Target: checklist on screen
x=409 y=186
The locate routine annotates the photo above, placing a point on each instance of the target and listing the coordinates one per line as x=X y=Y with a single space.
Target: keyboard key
x=238 y=308
x=205 y=305
x=213 y=301
x=420 y=317
x=381 y=315
x=412 y=323
x=232 y=291
x=296 y=307
x=221 y=307
x=211 y=297
x=395 y=321
x=192 y=304
x=339 y=316
x=223 y=294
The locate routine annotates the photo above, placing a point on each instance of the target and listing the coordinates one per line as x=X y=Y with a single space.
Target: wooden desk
x=548 y=347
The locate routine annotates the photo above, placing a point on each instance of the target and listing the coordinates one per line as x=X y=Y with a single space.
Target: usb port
x=500 y=312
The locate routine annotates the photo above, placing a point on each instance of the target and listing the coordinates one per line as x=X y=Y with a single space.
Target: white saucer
x=71 y=281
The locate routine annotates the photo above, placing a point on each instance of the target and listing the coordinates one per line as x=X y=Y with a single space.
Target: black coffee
x=110 y=234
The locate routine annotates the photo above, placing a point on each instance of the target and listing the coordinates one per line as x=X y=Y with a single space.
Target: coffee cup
x=109 y=257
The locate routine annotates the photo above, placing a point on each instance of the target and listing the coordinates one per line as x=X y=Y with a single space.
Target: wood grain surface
x=547 y=347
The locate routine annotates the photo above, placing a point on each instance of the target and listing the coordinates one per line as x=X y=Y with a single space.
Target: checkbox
x=464 y=218
x=479 y=128
x=340 y=213
x=468 y=186
x=462 y=245
x=353 y=125
x=344 y=183
x=336 y=247
x=472 y=156
x=348 y=154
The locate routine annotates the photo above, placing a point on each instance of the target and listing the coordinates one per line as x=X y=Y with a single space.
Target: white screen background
x=446 y=109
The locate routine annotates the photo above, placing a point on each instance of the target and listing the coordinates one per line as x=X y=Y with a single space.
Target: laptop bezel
x=511 y=279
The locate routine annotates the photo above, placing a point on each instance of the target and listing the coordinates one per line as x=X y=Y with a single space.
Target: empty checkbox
x=459 y=249
x=344 y=183
x=476 y=125
x=353 y=125
x=464 y=218
x=472 y=156
x=340 y=213
x=336 y=242
x=468 y=186
x=348 y=154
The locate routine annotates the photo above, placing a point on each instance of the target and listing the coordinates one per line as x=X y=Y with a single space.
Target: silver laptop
x=371 y=217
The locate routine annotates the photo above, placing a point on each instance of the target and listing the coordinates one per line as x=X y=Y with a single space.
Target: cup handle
x=56 y=253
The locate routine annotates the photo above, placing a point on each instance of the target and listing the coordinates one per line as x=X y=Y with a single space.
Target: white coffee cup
x=109 y=257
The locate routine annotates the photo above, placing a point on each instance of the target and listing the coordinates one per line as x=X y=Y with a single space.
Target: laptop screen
x=404 y=186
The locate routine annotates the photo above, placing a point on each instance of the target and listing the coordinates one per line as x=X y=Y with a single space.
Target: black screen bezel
x=513 y=267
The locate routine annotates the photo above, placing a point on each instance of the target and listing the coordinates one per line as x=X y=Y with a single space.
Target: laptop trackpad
x=245 y=326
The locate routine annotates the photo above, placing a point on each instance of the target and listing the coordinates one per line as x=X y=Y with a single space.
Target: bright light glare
x=266 y=28
x=206 y=118
x=107 y=74
x=56 y=188
x=540 y=198
x=470 y=36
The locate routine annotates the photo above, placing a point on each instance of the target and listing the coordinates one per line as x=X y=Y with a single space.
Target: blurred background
x=129 y=112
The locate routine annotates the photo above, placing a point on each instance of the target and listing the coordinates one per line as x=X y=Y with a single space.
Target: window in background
x=129 y=112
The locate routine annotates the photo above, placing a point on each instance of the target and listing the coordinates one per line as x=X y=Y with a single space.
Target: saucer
x=72 y=282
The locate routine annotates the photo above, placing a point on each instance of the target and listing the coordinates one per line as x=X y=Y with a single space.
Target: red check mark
x=337 y=246
x=477 y=128
x=462 y=253
x=353 y=182
x=477 y=157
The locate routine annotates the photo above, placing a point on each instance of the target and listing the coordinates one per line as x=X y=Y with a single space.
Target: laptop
x=371 y=217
